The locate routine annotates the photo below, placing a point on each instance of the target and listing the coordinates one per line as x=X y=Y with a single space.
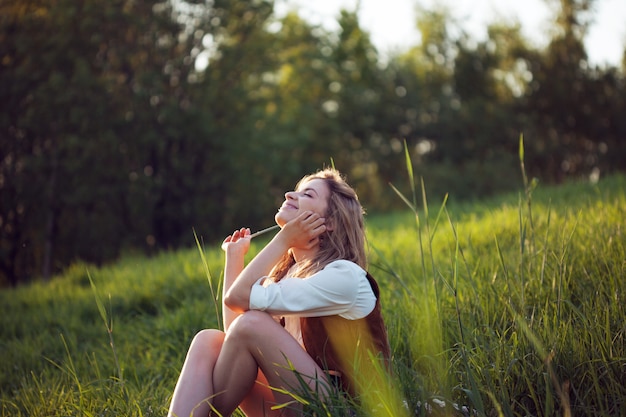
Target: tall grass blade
x=521 y=159
x=547 y=357
x=409 y=167
x=99 y=304
x=522 y=244
x=505 y=269
x=108 y=323
x=386 y=267
x=207 y=271
x=442 y=209
x=545 y=244
x=403 y=198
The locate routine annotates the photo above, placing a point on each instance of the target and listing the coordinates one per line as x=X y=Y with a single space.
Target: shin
x=194 y=388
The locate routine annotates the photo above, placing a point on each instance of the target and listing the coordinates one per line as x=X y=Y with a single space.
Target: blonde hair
x=345 y=238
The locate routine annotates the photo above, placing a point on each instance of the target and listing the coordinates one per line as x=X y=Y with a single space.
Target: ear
x=329 y=225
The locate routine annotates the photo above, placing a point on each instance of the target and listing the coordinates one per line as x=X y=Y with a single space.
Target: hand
x=303 y=232
x=238 y=243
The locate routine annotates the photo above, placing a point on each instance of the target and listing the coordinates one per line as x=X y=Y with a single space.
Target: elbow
x=235 y=302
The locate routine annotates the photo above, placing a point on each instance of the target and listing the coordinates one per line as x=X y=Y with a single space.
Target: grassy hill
x=512 y=306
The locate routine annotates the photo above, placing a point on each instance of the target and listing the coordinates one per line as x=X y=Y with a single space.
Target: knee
x=207 y=341
x=250 y=325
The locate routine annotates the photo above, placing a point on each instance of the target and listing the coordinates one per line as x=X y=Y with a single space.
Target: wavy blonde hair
x=345 y=238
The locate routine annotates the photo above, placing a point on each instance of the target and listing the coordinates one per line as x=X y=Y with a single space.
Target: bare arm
x=235 y=246
x=302 y=233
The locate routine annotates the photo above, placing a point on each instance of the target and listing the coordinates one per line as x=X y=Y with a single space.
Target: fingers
x=304 y=231
x=237 y=235
x=313 y=222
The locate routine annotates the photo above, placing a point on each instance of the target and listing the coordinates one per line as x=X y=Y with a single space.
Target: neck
x=301 y=255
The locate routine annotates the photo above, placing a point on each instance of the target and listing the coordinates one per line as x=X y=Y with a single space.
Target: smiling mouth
x=289 y=205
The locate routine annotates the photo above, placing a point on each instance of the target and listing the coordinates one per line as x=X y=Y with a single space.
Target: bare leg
x=259 y=401
x=256 y=341
x=194 y=388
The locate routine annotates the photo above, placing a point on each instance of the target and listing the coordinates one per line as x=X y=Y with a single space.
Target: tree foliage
x=125 y=125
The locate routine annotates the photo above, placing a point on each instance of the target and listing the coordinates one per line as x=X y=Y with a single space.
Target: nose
x=290 y=195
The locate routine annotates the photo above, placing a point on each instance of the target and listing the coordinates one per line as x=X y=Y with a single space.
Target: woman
x=312 y=277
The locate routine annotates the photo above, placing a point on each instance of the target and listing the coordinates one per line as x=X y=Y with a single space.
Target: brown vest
x=357 y=349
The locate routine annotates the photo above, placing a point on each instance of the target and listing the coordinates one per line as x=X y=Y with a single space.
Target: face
x=310 y=196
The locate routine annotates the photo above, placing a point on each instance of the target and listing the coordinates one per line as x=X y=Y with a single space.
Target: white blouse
x=341 y=288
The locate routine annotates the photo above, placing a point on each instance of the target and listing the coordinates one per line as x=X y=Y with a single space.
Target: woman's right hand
x=238 y=243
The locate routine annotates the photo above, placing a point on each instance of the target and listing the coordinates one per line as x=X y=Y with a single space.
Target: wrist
x=281 y=242
x=233 y=255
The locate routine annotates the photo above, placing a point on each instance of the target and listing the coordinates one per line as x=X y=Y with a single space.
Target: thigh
x=282 y=360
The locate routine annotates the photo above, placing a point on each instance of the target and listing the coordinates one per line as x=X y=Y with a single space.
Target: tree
x=74 y=75
x=560 y=88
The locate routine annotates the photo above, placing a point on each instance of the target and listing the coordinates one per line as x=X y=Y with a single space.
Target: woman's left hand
x=304 y=231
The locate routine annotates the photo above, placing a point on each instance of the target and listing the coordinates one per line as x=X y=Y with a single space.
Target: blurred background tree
x=73 y=75
x=125 y=125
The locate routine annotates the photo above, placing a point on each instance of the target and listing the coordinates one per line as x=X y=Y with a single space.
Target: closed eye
x=309 y=192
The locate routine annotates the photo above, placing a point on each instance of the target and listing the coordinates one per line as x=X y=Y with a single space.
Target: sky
x=391 y=23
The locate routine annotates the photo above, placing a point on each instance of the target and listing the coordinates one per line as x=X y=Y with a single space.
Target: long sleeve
x=341 y=288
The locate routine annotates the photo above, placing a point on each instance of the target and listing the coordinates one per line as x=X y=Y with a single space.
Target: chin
x=280 y=220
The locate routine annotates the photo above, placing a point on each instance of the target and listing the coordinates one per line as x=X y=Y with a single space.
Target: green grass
x=512 y=306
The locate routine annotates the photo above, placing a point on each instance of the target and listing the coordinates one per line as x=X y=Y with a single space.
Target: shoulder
x=348 y=272
x=352 y=276
x=345 y=267
x=339 y=273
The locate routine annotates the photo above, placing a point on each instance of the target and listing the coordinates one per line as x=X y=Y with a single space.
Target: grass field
x=512 y=307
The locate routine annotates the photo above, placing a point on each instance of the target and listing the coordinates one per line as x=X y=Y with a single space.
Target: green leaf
x=101 y=308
